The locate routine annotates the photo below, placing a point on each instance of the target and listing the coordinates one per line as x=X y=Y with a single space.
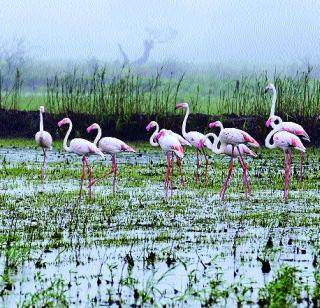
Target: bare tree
x=155 y=36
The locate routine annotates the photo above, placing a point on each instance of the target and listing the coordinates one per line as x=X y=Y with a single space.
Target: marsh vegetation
x=135 y=248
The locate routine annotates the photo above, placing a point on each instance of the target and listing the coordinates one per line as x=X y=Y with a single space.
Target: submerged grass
x=130 y=248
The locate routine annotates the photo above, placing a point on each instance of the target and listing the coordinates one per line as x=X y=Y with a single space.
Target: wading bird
x=226 y=149
x=83 y=148
x=285 y=141
x=44 y=140
x=291 y=127
x=234 y=137
x=156 y=144
x=169 y=143
x=110 y=146
x=194 y=138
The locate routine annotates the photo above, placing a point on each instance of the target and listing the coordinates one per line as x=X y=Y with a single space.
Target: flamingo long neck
x=274 y=100
x=98 y=137
x=184 y=123
x=65 y=146
x=214 y=147
x=221 y=128
x=151 y=140
x=274 y=125
x=41 y=122
x=268 y=138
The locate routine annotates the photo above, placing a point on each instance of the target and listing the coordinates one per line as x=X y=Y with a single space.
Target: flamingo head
x=151 y=124
x=181 y=106
x=268 y=122
x=215 y=124
x=92 y=127
x=200 y=144
x=64 y=121
x=159 y=135
x=274 y=120
x=269 y=87
x=41 y=108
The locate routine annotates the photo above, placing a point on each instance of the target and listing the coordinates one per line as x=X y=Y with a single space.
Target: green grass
x=127 y=93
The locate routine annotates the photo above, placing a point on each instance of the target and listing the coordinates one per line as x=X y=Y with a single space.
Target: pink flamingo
x=234 y=137
x=44 y=140
x=285 y=141
x=240 y=150
x=83 y=148
x=194 y=138
x=156 y=144
x=110 y=146
x=169 y=143
x=290 y=127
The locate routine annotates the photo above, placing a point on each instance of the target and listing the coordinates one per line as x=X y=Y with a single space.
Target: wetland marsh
x=136 y=249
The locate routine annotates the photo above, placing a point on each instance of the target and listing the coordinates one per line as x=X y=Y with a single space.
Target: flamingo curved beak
x=148 y=127
x=179 y=106
x=60 y=123
x=200 y=144
x=158 y=136
x=212 y=124
x=89 y=129
x=268 y=122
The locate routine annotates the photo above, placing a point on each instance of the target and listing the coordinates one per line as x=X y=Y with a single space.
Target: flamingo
x=44 y=140
x=285 y=141
x=110 y=146
x=169 y=143
x=290 y=127
x=83 y=148
x=155 y=144
x=234 y=137
x=194 y=138
x=227 y=150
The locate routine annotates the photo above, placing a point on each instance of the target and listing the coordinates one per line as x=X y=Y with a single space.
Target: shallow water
x=195 y=235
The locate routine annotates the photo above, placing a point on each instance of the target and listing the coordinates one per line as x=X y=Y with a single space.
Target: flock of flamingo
x=232 y=142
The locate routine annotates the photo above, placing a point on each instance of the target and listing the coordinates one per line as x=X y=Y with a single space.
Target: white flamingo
x=234 y=137
x=83 y=148
x=241 y=150
x=154 y=143
x=291 y=127
x=44 y=140
x=169 y=143
x=194 y=138
x=112 y=146
x=285 y=141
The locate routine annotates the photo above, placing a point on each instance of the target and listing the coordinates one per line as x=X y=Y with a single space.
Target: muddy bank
x=24 y=124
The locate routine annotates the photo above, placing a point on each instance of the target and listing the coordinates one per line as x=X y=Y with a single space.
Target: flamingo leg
x=301 y=165
x=197 y=167
x=287 y=174
x=114 y=169
x=166 y=181
x=180 y=170
x=103 y=176
x=172 y=161
x=82 y=177
x=89 y=177
x=207 y=163
x=42 y=172
x=225 y=185
x=245 y=174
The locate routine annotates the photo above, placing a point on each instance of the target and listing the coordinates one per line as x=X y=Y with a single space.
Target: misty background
x=251 y=31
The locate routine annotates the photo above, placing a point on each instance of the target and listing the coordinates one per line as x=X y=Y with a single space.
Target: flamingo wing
x=295 y=129
x=44 y=139
x=285 y=140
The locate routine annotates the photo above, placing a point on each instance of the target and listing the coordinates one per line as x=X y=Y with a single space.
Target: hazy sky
x=250 y=31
